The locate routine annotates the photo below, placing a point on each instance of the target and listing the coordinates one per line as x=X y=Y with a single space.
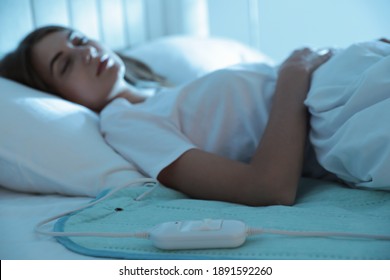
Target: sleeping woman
x=237 y=135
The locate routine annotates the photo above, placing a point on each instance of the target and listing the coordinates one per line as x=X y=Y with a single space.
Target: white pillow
x=183 y=58
x=49 y=145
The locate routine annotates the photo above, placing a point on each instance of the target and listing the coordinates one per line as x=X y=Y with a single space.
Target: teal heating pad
x=321 y=206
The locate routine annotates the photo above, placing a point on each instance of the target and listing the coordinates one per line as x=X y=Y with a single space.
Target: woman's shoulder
x=116 y=106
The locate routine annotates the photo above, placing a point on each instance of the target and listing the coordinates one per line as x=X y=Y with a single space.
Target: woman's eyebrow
x=58 y=55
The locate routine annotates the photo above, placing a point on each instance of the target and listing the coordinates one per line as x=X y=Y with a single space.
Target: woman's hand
x=306 y=60
x=298 y=68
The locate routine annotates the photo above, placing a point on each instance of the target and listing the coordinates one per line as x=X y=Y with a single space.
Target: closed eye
x=76 y=39
x=66 y=66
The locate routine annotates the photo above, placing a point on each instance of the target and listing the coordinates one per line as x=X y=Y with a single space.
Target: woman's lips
x=102 y=64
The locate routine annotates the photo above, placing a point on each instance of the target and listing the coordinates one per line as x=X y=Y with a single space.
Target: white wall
x=279 y=26
x=237 y=19
x=285 y=25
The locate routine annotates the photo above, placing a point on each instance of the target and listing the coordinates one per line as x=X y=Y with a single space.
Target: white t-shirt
x=224 y=112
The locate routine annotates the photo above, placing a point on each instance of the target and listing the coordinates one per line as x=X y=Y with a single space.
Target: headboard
x=118 y=23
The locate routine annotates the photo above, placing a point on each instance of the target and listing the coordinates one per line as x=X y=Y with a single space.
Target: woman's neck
x=129 y=92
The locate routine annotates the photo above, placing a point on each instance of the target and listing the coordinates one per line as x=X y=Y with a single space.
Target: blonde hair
x=18 y=66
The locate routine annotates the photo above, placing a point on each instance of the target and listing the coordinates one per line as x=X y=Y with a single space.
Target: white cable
x=257 y=231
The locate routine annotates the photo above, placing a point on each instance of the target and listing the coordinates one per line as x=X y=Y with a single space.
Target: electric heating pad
x=321 y=207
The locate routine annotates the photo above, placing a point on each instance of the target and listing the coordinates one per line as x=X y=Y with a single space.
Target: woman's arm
x=273 y=174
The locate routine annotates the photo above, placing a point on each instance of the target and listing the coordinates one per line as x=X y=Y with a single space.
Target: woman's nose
x=87 y=53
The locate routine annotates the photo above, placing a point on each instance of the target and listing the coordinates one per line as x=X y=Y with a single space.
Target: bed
x=53 y=158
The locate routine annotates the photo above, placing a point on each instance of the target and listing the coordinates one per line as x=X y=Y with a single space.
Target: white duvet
x=350 y=106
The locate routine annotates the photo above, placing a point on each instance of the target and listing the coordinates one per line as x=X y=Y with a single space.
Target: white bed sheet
x=19 y=213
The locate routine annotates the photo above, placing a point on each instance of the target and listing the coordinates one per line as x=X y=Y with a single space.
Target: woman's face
x=80 y=70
